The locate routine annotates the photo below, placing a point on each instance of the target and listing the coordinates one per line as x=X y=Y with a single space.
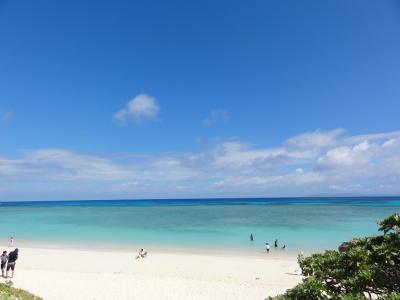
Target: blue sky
x=150 y=99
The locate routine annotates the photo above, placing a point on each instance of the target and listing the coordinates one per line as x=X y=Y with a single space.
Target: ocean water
x=309 y=224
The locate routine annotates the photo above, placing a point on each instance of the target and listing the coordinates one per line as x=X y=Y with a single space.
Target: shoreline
x=256 y=252
x=96 y=274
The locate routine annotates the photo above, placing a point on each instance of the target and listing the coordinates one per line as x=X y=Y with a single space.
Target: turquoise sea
x=309 y=224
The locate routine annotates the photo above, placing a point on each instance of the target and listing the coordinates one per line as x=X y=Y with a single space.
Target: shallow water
x=205 y=225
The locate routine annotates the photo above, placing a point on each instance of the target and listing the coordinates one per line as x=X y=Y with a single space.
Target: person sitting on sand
x=142 y=254
x=12 y=258
x=4 y=259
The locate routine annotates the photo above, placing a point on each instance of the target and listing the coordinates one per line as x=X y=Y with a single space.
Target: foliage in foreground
x=370 y=269
x=7 y=292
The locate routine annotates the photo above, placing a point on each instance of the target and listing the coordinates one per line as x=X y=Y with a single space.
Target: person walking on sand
x=300 y=257
x=267 y=247
x=251 y=237
x=12 y=258
x=4 y=259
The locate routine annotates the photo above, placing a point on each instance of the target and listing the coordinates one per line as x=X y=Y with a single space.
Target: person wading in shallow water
x=267 y=247
x=251 y=237
x=12 y=258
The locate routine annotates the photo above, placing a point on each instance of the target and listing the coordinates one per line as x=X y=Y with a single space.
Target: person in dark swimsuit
x=12 y=258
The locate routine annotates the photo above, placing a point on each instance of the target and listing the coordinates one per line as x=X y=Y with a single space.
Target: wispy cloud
x=317 y=139
x=329 y=161
x=61 y=164
x=217 y=116
x=6 y=117
x=140 y=109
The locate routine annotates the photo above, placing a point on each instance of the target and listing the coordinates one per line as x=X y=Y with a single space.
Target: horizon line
x=204 y=198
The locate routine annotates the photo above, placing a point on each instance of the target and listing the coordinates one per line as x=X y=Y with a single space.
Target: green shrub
x=310 y=289
x=370 y=268
x=392 y=296
x=7 y=292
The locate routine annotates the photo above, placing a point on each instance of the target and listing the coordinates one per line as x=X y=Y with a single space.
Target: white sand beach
x=57 y=274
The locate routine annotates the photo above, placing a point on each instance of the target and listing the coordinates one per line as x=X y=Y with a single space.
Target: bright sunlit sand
x=88 y=274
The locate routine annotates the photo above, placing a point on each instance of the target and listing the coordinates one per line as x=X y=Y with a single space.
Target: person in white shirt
x=267 y=247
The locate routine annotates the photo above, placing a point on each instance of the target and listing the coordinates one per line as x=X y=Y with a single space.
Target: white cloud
x=11 y=168
x=61 y=164
x=167 y=168
x=309 y=163
x=237 y=155
x=315 y=161
x=140 y=109
x=133 y=184
x=315 y=139
x=390 y=142
x=267 y=181
x=345 y=156
x=217 y=116
x=384 y=136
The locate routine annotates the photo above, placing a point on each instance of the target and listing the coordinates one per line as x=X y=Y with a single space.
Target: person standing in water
x=251 y=237
x=11 y=242
x=267 y=247
x=4 y=259
x=276 y=243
